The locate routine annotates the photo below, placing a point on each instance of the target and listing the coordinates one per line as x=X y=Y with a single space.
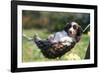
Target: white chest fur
x=61 y=37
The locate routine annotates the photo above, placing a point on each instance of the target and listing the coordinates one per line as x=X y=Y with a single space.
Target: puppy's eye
x=74 y=26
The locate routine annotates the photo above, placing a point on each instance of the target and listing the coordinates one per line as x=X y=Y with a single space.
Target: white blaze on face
x=74 y=23
x=72 y=31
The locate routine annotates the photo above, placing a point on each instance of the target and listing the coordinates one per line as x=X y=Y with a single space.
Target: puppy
x=71 y=33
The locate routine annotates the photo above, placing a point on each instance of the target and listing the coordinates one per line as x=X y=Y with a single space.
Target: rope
x=86 y=27
x=28 y=38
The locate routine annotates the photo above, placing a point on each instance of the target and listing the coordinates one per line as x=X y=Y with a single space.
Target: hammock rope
x=86 y=27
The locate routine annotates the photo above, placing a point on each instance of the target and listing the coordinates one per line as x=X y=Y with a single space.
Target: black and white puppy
x=72 y=32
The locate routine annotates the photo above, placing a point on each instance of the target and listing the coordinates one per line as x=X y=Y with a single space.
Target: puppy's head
x=74 y=30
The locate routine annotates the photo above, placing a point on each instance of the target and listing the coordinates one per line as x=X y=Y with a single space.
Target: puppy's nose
x=70 y=32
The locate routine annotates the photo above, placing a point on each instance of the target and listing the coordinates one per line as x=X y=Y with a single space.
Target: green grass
x=32 y=53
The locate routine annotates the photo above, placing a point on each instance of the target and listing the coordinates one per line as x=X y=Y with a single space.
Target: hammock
x=49 y=51
x=47 y=48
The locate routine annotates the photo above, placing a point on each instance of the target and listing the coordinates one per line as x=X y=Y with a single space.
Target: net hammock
x=48 y=50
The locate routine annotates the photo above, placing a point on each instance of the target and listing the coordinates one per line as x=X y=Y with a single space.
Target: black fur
x=79 y=31
x=66 y=28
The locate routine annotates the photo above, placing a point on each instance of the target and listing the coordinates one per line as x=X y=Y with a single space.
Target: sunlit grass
x=31 y=53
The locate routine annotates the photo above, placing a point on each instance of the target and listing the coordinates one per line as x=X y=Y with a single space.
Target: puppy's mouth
x=71 y=34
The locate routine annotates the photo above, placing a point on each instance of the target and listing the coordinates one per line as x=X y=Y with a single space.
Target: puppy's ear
x=79 y=33
x=67 y=27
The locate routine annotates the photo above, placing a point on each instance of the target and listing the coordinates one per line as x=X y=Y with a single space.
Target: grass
x=32 y=53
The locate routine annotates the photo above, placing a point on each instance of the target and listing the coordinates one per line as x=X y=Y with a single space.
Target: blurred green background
x=45 y=23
